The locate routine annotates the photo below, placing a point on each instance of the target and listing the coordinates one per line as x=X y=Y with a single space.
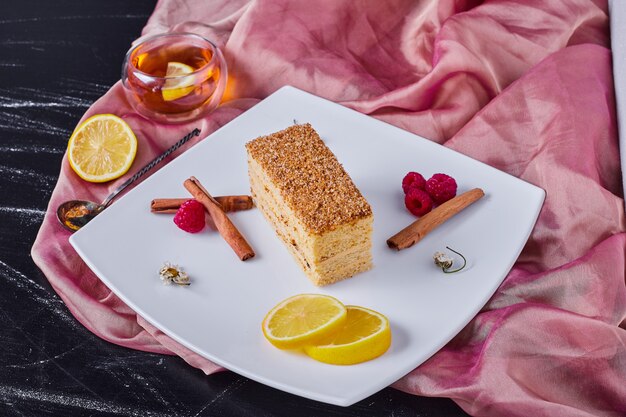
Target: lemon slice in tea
x=176 y=86
x=102 y=148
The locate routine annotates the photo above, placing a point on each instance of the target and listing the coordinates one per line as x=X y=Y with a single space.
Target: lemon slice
x=303 y=319
x=365 y=335
x=102 y=148
x=175 y=86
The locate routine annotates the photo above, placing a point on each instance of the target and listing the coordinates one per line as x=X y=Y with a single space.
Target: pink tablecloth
x=523 y=86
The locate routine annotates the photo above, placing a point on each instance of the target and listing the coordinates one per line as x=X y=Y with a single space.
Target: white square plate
x=219 y=316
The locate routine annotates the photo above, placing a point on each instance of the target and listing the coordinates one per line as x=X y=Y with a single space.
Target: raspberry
x=441 y=188
x=190 y=216
x=413 y=180
x=418 y=202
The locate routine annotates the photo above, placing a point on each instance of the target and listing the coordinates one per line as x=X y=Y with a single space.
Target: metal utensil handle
x=149 y=166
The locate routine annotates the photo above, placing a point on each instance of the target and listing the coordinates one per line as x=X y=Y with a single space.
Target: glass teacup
x=174 y=77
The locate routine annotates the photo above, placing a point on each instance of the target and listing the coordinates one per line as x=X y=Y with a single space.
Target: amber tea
x=172 y=77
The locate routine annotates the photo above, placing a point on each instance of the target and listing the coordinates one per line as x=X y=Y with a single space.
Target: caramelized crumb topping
x=309 y=177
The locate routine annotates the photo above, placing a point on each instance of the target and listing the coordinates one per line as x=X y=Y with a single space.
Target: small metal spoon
x=74 y=214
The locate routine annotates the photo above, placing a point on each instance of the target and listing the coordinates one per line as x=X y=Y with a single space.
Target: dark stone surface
x=56 y=58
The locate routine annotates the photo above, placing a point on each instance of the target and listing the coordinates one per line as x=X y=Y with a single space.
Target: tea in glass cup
x=174 y=77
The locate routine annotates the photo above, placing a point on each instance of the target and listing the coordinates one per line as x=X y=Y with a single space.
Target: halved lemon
x=365 y=335
x=175 y=85
x=303 y=319
x=102 y=148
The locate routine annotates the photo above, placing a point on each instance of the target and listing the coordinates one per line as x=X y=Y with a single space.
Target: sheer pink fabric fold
x=524 y=87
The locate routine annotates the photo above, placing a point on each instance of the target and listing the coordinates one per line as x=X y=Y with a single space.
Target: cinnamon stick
x=225 y=227
x=229 y=203
x=414 y=232
x=166 y=205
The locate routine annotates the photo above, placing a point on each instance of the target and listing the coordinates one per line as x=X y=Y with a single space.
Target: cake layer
x=335 y=253
x=315 y=248
x=342 y=265
x=310 y=179
x=329 y=247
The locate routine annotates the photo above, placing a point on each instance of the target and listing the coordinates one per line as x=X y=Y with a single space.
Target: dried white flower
x=442 y=260
x=445 y=262
x=171 y=273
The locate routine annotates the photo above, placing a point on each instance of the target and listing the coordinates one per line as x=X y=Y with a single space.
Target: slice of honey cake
x=312 y=203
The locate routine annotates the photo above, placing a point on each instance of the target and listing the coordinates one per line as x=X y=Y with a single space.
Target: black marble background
x=56 y=58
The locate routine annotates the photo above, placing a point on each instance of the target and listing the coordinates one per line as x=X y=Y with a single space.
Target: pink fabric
x=523 y=86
